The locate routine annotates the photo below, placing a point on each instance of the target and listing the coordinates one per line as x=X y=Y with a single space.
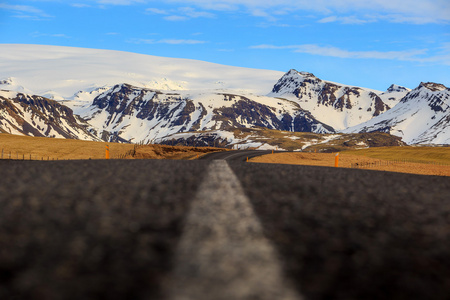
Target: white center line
x=223 y=253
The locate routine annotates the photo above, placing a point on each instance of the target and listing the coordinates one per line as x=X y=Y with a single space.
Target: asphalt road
x=153 y=229
x=236 y=155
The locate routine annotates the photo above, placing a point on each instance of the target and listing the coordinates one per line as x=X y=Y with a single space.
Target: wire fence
x=383 y=163
x=132 y=152
x=15 y=155
x=10 y=155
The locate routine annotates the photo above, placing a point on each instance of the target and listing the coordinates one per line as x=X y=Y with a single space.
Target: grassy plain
x=24 y=147
x=433 y=155
x=415 y=160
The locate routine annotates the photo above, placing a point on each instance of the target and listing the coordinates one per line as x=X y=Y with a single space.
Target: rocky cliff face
x=336 y=105
x=38 y=116
x=422 y=116
x=137 y=114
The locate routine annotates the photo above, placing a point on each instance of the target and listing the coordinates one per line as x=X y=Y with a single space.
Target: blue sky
x=363 y=43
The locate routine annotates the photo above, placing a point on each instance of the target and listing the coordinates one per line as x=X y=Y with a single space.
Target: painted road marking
x=223 y=253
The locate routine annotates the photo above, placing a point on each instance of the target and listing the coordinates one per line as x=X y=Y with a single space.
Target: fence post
x=336 y=160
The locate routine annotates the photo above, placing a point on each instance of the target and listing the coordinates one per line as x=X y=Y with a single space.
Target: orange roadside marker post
x=336 y=160
x=107 y=152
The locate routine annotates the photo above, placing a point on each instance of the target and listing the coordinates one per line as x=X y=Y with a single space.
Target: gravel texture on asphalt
x=91 y=229
x=231 y=259
x=355 y=234
x=123 y=230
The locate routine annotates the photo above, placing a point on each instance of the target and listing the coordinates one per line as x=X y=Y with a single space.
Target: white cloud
x=329 y=19
x=180 y=14
x=156 y=11
x=341 y=53
x=141 y=41
x=176 y=18
x=180 y=42
x=262 y=13
x=166 y=41
x=120 y=2
x=37 y=34
x=343 y=11
x=409 y=11
x=348 y=20
x=25 y=11
x=80 y=5
x=417 y=55
x=192 y=13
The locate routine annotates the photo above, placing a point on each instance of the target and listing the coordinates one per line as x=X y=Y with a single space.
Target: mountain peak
x=11 y=84
x=292 y=80
x=7 y=81
x=293 y=72
x=432 y=86
x=396 y=88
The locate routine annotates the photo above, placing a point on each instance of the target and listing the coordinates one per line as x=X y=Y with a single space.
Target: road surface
x=236 y=155
x=158 y=229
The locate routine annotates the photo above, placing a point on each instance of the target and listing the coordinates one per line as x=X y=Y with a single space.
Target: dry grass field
x=413 y=154
x=36 y=148
x=415 y=160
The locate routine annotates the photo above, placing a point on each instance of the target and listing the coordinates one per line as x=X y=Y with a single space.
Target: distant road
x=236 y=155
x=161 y=229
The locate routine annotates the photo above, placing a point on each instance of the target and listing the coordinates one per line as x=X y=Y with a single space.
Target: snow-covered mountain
x=134 y=97
x=396 y=89
x=61 y=72
x=337 y=105
x=393 y=95
x=257 y=138
x=422 y=117
x=135 y=114
x=38 y=116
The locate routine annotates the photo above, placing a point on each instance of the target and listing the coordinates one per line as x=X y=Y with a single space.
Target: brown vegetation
x=37 y=148
x=431 y=155
x=417 y=160
x=407 y=161
x=168 y=152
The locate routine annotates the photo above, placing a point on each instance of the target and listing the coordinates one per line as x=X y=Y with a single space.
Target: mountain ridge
x=340 y=106
x=422 y=116
x=38 y=116
x=125 y=110
x=131 y=97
